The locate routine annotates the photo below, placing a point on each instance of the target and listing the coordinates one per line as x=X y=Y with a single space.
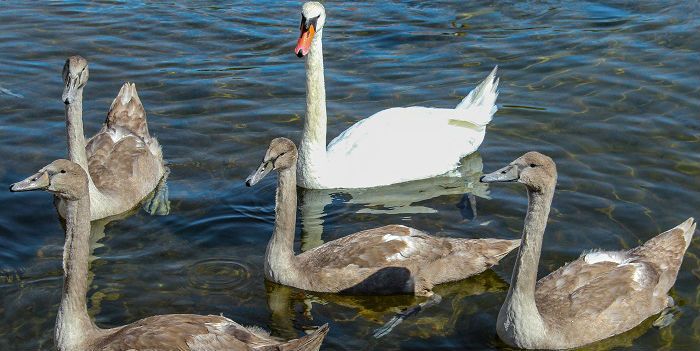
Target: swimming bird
x=392 y=146
x=75 y=331
x=600 y=294
x=386 y=260
x=124 y=162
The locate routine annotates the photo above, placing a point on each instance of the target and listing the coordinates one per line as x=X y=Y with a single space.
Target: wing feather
x=377 y=247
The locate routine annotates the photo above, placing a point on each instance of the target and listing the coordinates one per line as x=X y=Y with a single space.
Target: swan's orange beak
x=304 y=42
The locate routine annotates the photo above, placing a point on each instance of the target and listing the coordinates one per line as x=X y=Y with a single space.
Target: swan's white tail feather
x=480 y=104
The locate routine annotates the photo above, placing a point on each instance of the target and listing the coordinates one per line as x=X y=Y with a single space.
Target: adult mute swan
x=601 y=294
x=124 y=162
x=75 y=331
x=387 y=260
x=392 y=146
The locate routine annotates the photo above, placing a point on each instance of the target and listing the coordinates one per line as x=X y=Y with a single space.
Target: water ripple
x=218 y=275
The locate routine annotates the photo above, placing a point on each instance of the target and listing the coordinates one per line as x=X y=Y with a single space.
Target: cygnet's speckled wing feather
x=396 y=259
x=123 y=157
x=602 y=292
x=614 y=289
x=378 y=247
x=189 y=332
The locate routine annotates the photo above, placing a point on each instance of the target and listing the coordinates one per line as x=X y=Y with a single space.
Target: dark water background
x=610 y=90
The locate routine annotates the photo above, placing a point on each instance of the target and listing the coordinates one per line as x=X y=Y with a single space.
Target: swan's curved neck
x=73 y=324
x=313 y=140
x=76 y=141
x=74 y=128
x=519 y=314
x=280 y=265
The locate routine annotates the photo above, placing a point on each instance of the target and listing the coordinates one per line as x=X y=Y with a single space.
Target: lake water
x=610 y=91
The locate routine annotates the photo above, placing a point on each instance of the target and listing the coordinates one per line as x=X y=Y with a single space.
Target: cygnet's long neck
x=280 y=265
x=519 y=317
x=73 y=324
x=312 y=151
x=74 y=127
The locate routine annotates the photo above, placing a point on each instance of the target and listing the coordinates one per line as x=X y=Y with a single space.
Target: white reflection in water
x=400 y=198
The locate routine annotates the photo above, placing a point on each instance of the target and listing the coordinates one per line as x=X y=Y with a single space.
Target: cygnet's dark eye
x=63 y=171
x=533 y=165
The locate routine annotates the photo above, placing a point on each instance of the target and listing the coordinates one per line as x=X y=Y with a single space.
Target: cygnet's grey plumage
x=601 y=294
x=387 y=260
x=75 y=330
x=124 y=162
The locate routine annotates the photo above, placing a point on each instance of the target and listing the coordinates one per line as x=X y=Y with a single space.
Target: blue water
x=611 y=91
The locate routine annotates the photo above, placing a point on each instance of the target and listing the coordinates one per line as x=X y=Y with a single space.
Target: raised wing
x=127 y=112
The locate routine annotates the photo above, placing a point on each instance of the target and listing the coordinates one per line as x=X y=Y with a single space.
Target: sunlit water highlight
x=611 y=92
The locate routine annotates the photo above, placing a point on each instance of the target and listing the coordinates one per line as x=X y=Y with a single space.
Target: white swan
x=392 y=146
x=598 y=295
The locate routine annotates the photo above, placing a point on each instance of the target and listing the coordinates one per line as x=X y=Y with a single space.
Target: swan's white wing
x=401 y=144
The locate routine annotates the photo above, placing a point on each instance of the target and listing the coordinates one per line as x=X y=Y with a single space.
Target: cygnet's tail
x=127 y=112
x=480 y=105
x=311 y=342
x=665 y=252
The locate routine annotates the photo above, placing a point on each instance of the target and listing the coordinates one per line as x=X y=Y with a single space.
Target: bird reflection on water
x=398 y=199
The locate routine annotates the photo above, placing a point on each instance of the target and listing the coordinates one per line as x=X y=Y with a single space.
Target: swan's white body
x=392 y=146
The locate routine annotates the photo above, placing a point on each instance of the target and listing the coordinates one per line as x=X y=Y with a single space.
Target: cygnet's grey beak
x=508 y=173
x=260 y=173
x=70 y=91
x=38 y=181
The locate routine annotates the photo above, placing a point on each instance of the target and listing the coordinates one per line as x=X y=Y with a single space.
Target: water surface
x=610 y=90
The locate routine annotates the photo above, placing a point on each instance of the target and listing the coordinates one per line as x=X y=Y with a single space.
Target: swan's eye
x=63 y=171
x=533 y=165
x=313 y=22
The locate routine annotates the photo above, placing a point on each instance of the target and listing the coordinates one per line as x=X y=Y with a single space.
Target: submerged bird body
x=75 y=331
x=599 y=295
x=124 y=162
x=374 y=151
x=387 y=260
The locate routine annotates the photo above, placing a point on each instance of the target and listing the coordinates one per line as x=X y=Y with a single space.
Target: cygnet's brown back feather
x=604 y=293
x=396 y=259
x=123 y=159
x=189 y=332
